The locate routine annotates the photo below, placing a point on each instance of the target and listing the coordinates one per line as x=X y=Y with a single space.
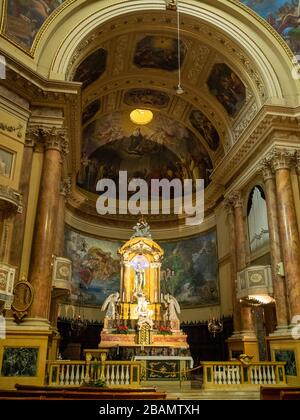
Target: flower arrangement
x=164 y=330
x=121 y=329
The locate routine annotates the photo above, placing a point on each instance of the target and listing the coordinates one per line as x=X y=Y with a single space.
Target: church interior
x=120 y=294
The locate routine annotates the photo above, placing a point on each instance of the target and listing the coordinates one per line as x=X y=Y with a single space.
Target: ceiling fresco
x=159 y=52
x=283 y=15
x=91 y=68
x=202 y=124
x=227 y=88
x=90 y=111
x=25 y=18
x=146 y=97
x=162 y=149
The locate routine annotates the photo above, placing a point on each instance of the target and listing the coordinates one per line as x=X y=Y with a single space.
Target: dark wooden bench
x=273 y=392
x=290 y=395
x=32 y=392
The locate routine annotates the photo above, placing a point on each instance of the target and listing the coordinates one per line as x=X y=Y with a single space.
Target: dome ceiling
x=132 y=62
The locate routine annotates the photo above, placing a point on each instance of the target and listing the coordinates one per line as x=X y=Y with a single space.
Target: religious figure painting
x=227 y=88
x=202 y=124
x=283 y=15
x=159 y=52
x=90 y=111
x=96 y=267
x=146 y=97
x=25 y=18
x=189 y=271
x=91 y=68
x=6 y=163
x=162 y=149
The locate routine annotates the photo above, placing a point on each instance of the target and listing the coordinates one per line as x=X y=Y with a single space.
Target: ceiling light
x=141 y=116
x=179 y=89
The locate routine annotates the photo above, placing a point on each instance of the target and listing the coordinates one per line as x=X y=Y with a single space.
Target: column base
x=23 y=353
x=285 y=348
x=243 y=342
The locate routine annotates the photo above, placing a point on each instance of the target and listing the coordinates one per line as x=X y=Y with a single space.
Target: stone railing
x=118 y=374
x=235 y=374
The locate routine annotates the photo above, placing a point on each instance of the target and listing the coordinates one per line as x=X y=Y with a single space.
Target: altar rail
x=235 y=374
x=116 y=374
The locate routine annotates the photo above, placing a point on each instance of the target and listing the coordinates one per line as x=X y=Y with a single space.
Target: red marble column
x=274 y=239
x=240 y=244
x=65 y=188
x=46 y=223
x=20 y=219
x=231 y=226
x=282 y=161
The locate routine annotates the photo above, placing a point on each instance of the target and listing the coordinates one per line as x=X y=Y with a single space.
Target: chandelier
x=179 y=89
x=79 y=324
x=215 y=326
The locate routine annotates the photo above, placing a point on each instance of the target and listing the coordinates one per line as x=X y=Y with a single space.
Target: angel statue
x=172 y=308
x=110 y=305
x=141 y=230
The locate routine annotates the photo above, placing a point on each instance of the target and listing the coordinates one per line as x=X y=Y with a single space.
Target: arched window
x=257 y=219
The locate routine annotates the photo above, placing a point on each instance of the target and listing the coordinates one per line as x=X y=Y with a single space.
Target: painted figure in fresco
x=110 y=305
x=2 y=166
x=139 y=279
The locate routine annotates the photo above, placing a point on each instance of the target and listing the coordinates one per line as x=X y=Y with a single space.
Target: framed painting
x=20 y=361
x=6 y=163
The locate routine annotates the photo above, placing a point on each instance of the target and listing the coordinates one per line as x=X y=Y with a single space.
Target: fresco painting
x=25 y=18
x=91 y=68
x=283 y=15
x=202 y=124
x=227 y=87
x=90 y=111
x=158 y=52
x=189 y=270
x=162 y=149
x=146 y=97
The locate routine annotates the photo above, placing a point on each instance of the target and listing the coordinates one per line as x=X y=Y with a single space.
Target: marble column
x=274 y=239
x=241 y=253
x=298 y=167
x=46 y=222
x=65 y=188
x=20 y=219
x=282 y=160
x=232 y=239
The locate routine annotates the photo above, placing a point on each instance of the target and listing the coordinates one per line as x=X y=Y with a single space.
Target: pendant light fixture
x=179 y=89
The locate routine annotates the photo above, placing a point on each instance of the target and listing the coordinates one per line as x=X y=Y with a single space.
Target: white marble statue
x=172 y=308
x=144 y=314
x=110 y=305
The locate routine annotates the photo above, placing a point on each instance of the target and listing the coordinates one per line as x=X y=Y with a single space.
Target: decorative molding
x=66 y=186
x=23 y=298
x=236 y=199
x=280 y=158
x=265 y=169
x=245 y=122
x=11 y=202
x=12 y=129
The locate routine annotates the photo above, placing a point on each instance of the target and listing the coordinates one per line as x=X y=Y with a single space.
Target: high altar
x=139 y=319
